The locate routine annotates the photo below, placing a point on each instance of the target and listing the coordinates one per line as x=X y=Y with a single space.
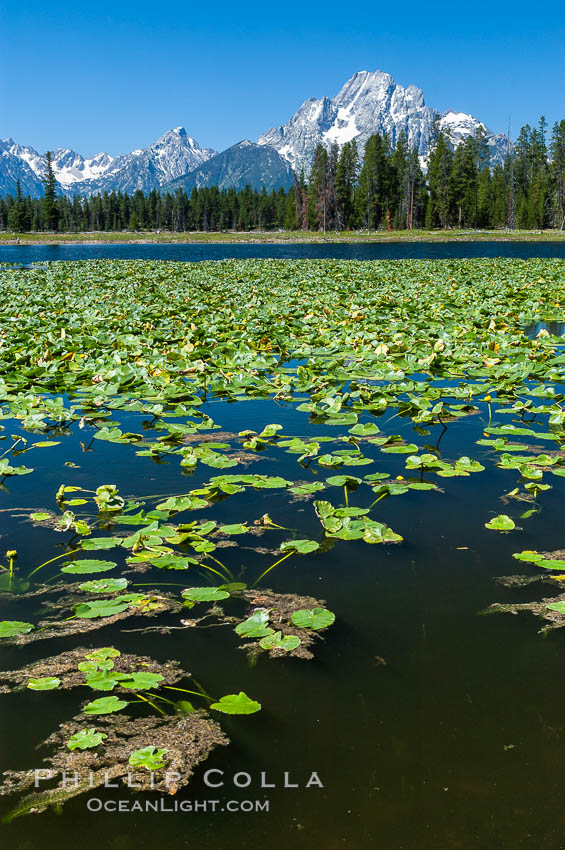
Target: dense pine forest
x=388 y=190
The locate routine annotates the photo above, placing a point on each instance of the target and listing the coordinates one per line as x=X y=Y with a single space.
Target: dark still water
x=298 y=251
x=430 y=727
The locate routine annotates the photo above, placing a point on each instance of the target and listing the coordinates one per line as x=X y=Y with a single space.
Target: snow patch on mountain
x=175 y=153
x=244 y=164
x=458 y=126
x=370 y=102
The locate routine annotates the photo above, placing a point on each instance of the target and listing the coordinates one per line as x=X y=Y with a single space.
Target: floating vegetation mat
x=181 y=743
x=186 y=436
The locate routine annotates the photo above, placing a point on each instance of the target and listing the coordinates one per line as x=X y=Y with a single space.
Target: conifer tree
x=438 y=212
x=50 y=210
x=17 y=218
x=319 y=198
x=345 y=180
x=557 y=149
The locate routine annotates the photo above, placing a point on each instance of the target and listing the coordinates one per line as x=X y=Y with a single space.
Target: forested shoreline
x=388 y=190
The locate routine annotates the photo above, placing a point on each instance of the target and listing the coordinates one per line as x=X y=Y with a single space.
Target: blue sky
x=114 y=76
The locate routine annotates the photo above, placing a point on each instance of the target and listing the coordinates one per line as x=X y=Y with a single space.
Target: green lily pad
x=236 y=704
x=364 y=430
x=100 y=608
x=540 y=560
x=142 y=681
x=45 y=683
x=104 y=585
x=255 y=626
x=103 y=680
x=313 y=618
x=149 y=757
x=235 y=528
x=88 y=566
x=104 y=705
x=502 y=522
x=11 y=628
x=101 y=542
x=304 y=547
x=204 y=594
x=86 y=739
x=277 y=641
x=103 y=654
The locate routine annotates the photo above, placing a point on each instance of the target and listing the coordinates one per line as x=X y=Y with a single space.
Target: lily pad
x=104 y=585
x=104 y=705
x=101 y=542
x=502 y=522
x=315 y=618
x=236 y=704
x=149 y=757
x=204 y=594
x=86 y=739
x=100 y=608
x=142 y=681
x=277 y=641
x=88 y=565
x=45 y=683
x=12 y=628
x=255 y=626
x=304 y=547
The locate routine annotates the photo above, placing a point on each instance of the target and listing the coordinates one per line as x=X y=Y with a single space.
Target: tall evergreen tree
x=438 y=212
x=319 y=195
x=345 y=180
x=17 y=218
x=374 y=189
x=50 y=210
x=557 y=149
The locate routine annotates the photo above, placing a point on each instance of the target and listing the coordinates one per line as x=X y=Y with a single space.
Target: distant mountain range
x=171 y=156
x=370 y=102
x=243 y=164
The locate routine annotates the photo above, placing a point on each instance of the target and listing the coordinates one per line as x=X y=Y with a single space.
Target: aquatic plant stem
x=216 y=572
x=223 y=566
x=51 y=560
x=272 y=567
x=160 y=583
x=19 y=440
x=164 y=699
x=185 y=691
x=156 y=707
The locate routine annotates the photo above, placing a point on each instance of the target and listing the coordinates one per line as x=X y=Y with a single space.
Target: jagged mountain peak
x=170 y=156
x=245 y=163
x=369 y=102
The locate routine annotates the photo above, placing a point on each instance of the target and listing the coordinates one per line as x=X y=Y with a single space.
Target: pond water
x=338 y=250
x=430 y=726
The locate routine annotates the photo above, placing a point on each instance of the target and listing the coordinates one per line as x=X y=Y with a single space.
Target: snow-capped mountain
x=15 y=166
x=457 y=126
x=370 y=102
x=259 y=166
x=70 y=167
x=171 y=156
